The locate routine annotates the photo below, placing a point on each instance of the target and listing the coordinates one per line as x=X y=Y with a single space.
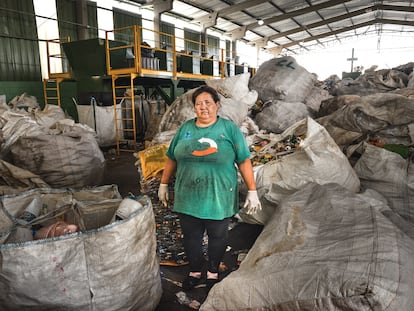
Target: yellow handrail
x=172 y=54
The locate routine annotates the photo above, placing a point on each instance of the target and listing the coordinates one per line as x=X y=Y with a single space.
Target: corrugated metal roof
x=295 y=24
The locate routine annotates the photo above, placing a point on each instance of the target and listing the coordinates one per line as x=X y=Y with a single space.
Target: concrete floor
x=121 y=170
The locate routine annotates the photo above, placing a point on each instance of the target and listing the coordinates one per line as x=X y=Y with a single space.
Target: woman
x=203 y=154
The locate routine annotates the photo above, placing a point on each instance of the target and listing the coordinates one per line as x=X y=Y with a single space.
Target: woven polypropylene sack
x=112 y=267
x=325 y=248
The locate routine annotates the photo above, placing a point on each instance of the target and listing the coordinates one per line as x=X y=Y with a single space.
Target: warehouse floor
x=121 y=170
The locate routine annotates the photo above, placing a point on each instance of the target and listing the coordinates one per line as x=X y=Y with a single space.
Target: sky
x=385 y=51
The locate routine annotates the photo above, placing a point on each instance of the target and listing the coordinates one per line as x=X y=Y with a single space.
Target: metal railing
x=57 y=63
x=127 y=53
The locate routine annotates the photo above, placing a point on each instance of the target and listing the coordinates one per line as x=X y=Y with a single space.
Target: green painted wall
x=68 y=89
x=17 y=88
x=19 y=46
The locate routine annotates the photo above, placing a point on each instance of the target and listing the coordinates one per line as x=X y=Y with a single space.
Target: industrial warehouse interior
x=92 y=93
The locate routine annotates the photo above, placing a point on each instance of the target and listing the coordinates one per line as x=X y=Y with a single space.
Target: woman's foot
x=192 y=280
x=212 y=279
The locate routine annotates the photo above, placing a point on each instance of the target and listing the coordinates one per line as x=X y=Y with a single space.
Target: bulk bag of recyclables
x=109 y=264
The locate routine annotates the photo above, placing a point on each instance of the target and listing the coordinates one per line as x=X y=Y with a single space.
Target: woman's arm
x=246 y=170
x=169 y=170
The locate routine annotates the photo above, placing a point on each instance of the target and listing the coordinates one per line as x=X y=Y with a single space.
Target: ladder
x=51 y=91
x=124 y=112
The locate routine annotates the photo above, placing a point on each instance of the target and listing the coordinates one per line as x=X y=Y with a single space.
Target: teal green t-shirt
x=206 y=177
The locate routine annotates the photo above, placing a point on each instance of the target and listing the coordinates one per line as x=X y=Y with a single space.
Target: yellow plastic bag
x=153 y=160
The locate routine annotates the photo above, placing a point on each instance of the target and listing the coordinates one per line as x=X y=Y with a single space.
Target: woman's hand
x=252 y=203
x=163 y=194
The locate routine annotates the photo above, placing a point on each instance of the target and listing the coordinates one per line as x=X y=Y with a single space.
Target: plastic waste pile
x=263 y=151
x=36 y=222
x=168 y=230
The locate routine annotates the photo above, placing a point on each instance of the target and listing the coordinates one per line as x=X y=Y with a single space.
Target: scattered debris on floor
x=169 y=235
x=184 y=299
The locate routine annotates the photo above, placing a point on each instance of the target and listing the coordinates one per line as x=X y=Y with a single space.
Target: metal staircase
x=124 y=112
x=51 y=91
x=58 y=70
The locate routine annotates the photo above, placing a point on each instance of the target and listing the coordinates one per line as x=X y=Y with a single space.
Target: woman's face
x=206 y=108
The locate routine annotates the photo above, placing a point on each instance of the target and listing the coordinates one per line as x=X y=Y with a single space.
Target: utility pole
x=352 y=60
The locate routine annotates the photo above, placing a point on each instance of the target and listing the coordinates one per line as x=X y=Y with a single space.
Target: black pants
x=193 y=229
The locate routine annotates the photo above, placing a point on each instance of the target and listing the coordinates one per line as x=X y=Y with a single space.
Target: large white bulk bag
x=67 y=155
x=109 y=265
x=325 y=248
x=391 y=175
x=317 y=159
x=282 y=79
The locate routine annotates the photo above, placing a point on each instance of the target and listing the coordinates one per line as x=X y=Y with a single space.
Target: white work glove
x=252 y=203
x=163 y=194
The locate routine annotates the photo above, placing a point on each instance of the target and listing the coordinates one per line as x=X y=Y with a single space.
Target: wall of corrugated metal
x=213 y=46
x=66 y=13
x=169 y=29
x=92 y=20
x=68 y=23
x=124 y=19
x=19 y=50
x=191 y=38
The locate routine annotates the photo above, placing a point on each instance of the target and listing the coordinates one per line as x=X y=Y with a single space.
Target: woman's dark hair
x=206 y=89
